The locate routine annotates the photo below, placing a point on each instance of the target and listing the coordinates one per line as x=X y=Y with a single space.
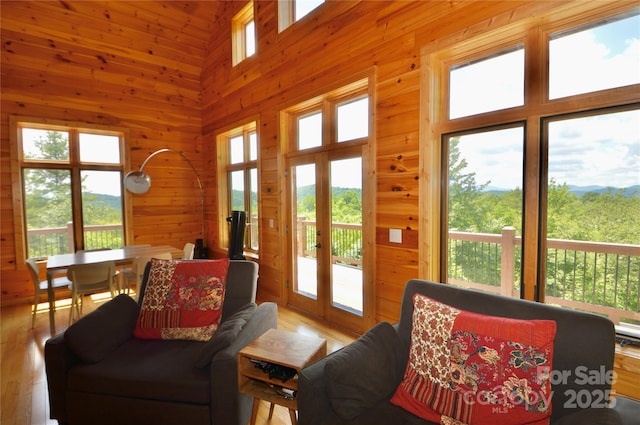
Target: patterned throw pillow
x=183 y=299
x=469 y=368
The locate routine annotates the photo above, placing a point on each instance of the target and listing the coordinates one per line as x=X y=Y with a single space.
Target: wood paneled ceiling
x=169 y=38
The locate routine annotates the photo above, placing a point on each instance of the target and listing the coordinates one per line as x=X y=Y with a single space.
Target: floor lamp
x=139 y=182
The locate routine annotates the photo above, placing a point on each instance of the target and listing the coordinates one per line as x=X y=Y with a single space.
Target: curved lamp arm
x=139 y=182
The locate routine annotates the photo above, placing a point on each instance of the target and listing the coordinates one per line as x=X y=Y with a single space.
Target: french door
x=325 y=231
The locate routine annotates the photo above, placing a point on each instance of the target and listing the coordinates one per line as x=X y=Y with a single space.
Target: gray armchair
x=98 y=373
x=354 y=385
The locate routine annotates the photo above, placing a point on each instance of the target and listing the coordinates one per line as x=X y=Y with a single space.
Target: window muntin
x=596 y=57
x=50 y=174
x=488 y=84
x=353 y=119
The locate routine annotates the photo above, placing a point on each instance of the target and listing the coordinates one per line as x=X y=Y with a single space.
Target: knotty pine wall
x=131 y=65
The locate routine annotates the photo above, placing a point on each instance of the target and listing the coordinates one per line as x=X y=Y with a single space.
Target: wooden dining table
x=120 y=256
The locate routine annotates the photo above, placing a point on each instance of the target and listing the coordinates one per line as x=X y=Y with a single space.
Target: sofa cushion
x=470 y=367
x=146 y=369
x=182 y=299
x=350 y=397
x=98 y=333
x=225 y=335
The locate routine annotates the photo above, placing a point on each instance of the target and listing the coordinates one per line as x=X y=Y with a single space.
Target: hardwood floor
x=24 y=398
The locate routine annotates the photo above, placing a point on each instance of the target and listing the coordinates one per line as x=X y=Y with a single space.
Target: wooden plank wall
x=334 y=43
x=133 y=65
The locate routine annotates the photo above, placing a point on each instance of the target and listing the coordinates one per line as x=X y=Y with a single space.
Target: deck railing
x=59 y=240
x=602 y=278
x=346 y=242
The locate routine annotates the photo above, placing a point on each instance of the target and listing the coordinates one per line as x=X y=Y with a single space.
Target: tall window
x=243 y=31
x=240 y=154
x=542 y=168
x=290 y=11
x=71 y=188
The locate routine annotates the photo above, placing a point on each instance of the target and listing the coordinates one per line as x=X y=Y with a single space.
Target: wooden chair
x=89 y=279
x=40 y=286
x=188 y=251
x=135 y=273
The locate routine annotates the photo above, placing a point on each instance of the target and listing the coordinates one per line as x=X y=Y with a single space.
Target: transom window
x=290 y=11
x=243 y=31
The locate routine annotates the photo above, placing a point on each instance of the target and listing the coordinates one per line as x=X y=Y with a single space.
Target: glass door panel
x=346 y=234
x=305 y=229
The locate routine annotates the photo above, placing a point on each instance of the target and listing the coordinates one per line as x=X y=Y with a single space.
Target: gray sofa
x=99 y=373
x=353 y=385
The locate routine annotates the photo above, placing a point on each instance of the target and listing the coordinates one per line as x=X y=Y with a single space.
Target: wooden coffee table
x=282 y=348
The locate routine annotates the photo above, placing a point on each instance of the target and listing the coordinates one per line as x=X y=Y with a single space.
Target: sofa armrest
x=227 y=405
x=332 y=390
x=314 y=407
x=58 y=360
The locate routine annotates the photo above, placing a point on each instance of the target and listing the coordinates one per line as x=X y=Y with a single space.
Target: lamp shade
x=137 y=182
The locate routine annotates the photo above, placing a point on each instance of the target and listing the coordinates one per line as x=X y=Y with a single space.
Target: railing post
x=507 y=260
x=302 y=235
x=70 y=240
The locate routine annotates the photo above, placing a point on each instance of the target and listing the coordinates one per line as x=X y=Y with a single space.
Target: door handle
x=318 y=245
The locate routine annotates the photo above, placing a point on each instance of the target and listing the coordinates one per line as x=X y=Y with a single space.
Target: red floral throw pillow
x=183 y=299
x=469 y=368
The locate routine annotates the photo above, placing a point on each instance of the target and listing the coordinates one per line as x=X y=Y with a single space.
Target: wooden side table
x=280 y=348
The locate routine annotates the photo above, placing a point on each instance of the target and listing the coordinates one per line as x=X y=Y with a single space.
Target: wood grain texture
x=133 y=65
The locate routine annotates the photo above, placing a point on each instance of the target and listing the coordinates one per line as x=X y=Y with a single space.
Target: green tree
x=466 y=211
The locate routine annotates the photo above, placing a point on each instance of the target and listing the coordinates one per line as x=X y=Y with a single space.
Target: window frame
x=224 y=187
x=75 y=167
x=534 y=34
x=287 y=13
x=239 y=33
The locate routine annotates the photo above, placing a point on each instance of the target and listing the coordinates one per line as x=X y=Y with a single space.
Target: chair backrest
x=34 y=271
x=583 y=347
x=139 y=263
x=92 y=276
x=187 y=251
